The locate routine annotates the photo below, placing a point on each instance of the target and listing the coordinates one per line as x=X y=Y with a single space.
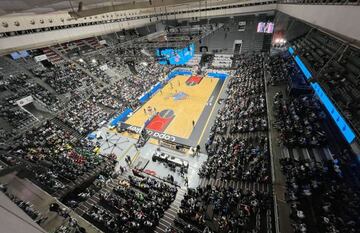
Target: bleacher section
x=111 y=39
x=316 y=48
x=194 y=61
x=268 y=144
x=83 y=46
x=222 y=61
x=337 y=67
x=51 y=55
x=341 y=79
x=93 y=42
x=222 y=40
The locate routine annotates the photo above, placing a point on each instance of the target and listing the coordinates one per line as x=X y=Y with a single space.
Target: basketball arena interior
x=179 y=116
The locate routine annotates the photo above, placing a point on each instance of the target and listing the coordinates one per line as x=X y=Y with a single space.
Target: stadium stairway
x=80 y=180
x=170 y=214
x=86 y=71
x=86 y=205
x=166 y=221
x=60 y=123
x=18 y=67
x=53 y=57
x=237 y=185
x=267 y=42
x=93 y=42
x=132 y=69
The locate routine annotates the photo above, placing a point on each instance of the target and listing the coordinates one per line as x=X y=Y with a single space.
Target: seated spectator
x=231 y=210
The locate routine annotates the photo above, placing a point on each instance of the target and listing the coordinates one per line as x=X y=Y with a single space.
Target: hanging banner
x=24 y=101
x=241 y=26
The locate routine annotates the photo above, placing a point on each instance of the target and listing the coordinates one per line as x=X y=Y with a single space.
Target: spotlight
x=93 y=60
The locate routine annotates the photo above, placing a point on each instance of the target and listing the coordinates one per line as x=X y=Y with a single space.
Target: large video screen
x=175 y=56
x=265 y=27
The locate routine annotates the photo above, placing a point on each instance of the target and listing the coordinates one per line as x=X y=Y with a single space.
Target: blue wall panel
x=121 y=117
x=146 y=96
x=339 y=120
x=291 y=50
x=303 y=67
x=177 y=72
x=218 y=75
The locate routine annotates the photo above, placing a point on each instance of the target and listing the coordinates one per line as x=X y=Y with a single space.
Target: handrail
x=320 y=2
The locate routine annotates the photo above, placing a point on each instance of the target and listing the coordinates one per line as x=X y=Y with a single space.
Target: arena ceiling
x=49 y=6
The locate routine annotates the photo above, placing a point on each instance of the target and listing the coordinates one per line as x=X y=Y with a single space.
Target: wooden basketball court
x=179 y=104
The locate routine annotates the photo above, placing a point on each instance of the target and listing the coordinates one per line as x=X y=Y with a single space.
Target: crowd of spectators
x=87 y=115
x=53 y=156
x=82 y=100
x=21 y=85
x=14 y=116
x=84 y=116
x=280 y=67
x=5 y=134
x=109 y=98
x=70 y=226
x=129 y=72
x=84 y=192
x=233 y=154
x=96 y=64
x=106 y=58
x=336 y=67
x=322 y=198
x=340 y=80
x=299 y=121
x=15 y=87
x=316 y=48
x=125 y=92
x=136 y=204
x=215 y=209
x=238 y=159
x=320 y=188
x=64 y=77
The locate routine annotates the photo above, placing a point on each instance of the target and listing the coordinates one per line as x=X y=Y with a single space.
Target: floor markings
x=126 y=151
x=211 y=113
